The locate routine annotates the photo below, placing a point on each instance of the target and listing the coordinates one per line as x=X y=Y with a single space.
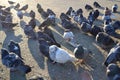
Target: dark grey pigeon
x=88 y=7
x=15 y=48
x=113 y=56
x=105 y=40
x=96 y=4
x=112 y=70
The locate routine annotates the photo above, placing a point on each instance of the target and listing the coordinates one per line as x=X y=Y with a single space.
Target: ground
x=32 y=55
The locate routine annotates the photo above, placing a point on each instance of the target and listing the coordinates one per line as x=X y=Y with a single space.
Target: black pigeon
x=69 y=11
x=4 y=53
x=64 y=16
x=88 y=7
x=105 y=40
x=48 y=31
x=32 y=14
x=112 y=70
x=40 y=9
x=95 y=30
x=79 y=52
x=49 y=11
x=32 y=23
x=15 y=48
x=46 y=22
x=79 y=11
x=38 y=5
x=44 y=48
x=85 y=27
x=96 y=4
x=28 y=30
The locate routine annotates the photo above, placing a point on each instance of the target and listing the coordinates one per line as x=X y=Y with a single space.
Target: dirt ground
x=32 y=55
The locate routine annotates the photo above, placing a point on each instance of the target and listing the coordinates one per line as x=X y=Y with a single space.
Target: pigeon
x=60 y=55
x=44 y=48
x=28 y=30
x=81 y=53
x=96 y=4
x=25 y=7
x=8 y=9
x=32 y=23
x=79 y=11
x=20 y=14
x=48 y=31
x=2 y=6
x=64 y=16
x=85 y=27
x=112 y=70
x=114 y=8
x=15 y=48
x=40 y=9
x=88 y=7
x=32 y=14
x=4 y=53
x=12 y=61
x=17 y=6
x=49 y=11
x=95 y=30
x=69 y=11
x=38 y=5
x=105 y=40
x=11 y=2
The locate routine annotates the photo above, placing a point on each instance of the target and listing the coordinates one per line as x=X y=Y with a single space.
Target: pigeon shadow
x=115 y=0
x=101 y=14
x=34 y=50
x=66 y=71
x=17 y=76
x=118 y=12
x=22 y=23
x=37 y=22
x=102 y=8
x=27 y=14
x=10 y=35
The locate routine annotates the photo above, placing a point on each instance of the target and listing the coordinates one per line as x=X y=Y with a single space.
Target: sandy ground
x=32 y=55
